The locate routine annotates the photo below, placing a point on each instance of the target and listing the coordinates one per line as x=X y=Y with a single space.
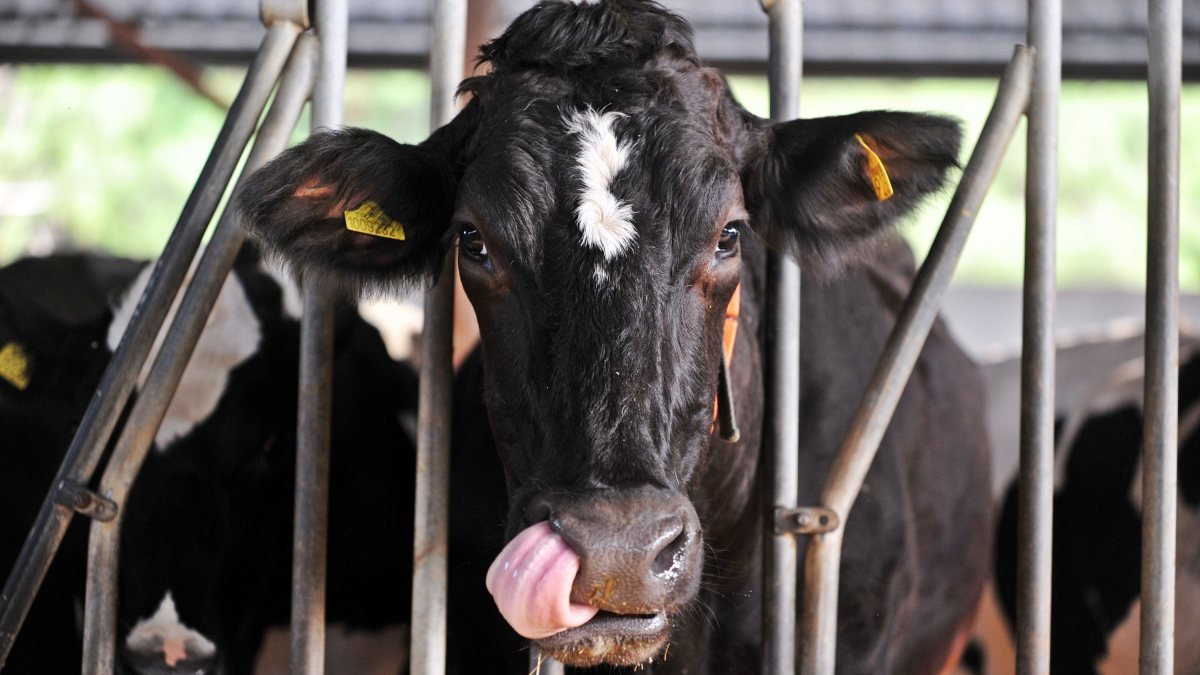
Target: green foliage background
x=108 y=154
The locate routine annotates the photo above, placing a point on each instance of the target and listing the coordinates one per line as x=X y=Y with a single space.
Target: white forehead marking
x=230 y=336
x=164 y=632
x=606 y=222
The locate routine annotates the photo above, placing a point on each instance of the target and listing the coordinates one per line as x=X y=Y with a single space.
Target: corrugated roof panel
x=1100 y=36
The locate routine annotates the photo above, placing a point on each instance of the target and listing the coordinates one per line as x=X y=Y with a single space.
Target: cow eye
x=729 y=237
x=471 y=242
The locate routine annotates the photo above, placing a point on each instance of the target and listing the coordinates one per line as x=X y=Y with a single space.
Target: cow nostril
x=670 y=558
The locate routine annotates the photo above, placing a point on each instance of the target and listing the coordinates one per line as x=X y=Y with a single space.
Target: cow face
x=599 y=185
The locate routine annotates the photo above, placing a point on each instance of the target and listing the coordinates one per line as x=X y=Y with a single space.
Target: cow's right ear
x=355 y=209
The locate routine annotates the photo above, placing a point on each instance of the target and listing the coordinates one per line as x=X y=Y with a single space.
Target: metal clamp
x=806 y=520
x=295 y=11
x=84 y=501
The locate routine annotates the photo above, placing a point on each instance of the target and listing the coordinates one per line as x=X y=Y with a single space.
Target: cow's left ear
x=355 y=209
x=824 y=189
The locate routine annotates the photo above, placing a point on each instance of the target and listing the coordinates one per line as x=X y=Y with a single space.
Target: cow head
x=599 y=186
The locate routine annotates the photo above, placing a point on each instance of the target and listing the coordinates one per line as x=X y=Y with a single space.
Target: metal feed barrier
x=315 y=66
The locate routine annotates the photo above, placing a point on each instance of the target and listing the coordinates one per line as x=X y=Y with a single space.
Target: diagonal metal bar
x=120 y=376
x=818 y=635
x=169 y=365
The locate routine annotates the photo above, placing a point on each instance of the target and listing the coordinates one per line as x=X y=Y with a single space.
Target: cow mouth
x=614 y=639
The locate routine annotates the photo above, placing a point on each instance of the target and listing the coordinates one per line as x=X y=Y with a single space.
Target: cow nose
x=639 y=548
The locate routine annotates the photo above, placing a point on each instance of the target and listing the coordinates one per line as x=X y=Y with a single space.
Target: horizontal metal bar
x=121 y=374
x=822 y=559
x=170 y=363
x=1160 y=453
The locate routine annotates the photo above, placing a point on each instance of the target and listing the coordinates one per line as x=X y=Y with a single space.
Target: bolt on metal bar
x=784 y=72
x=121 y=374
x=1160 y=435
x=147 y=414
x=311 y=507
x=436 y=397
x=823 y=557
x=1036 y=473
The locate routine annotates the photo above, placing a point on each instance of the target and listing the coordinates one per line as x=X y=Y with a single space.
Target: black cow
x=1096 y=585
x=206 y=544
x=608 y=196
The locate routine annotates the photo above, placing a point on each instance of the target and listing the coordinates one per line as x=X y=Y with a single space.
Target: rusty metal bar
x=120 y=376
x=823 y=557
x=1160 y=442
x=310 y=525
x=1036 y=474
x=137 y=436
x=436 y=399
x=784 y=72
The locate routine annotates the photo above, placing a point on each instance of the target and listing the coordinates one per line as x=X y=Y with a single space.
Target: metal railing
x=1029 y=86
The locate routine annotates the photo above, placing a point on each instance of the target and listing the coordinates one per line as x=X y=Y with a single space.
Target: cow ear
x=356 y=209
x=825 y=189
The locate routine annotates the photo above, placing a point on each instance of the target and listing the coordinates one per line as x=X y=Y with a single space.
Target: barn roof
x=1101 y=37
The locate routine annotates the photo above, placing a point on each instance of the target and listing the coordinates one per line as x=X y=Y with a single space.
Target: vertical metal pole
x=1037 y=356
x=1160 y=442
x=310 y=524
x=431 y=518
x=779 y=578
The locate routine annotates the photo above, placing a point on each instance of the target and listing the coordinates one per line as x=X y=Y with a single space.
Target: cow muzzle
x=599 y=574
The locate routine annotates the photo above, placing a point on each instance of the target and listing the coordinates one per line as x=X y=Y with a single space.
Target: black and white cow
x=206 y=542
x=1096 y=585
x=608 y=197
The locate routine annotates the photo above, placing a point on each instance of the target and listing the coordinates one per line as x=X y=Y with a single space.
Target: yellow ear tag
x=370 y=219
x=877 y=172
x=14 y=365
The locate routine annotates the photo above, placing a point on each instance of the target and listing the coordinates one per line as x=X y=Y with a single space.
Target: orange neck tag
x=729 y=338
x=877 y=172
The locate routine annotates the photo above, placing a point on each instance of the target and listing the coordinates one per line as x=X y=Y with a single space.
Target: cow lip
x=615 y=639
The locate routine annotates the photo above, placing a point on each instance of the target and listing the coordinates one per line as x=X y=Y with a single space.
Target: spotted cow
x=1096 y=586
x=612 y=207
x=206 y=542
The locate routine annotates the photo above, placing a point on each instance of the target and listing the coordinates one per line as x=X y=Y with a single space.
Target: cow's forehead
x=621 y=170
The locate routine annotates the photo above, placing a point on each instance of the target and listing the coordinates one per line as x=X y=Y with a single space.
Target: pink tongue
x=531 y=583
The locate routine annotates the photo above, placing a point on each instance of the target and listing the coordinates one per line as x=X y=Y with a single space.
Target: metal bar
x=311 y=514
x=1036 y=474
x=121 y=374
x=169 y=365
x=436 y=399
x=1160 y=442
x=823 y=557
x=784 y=72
